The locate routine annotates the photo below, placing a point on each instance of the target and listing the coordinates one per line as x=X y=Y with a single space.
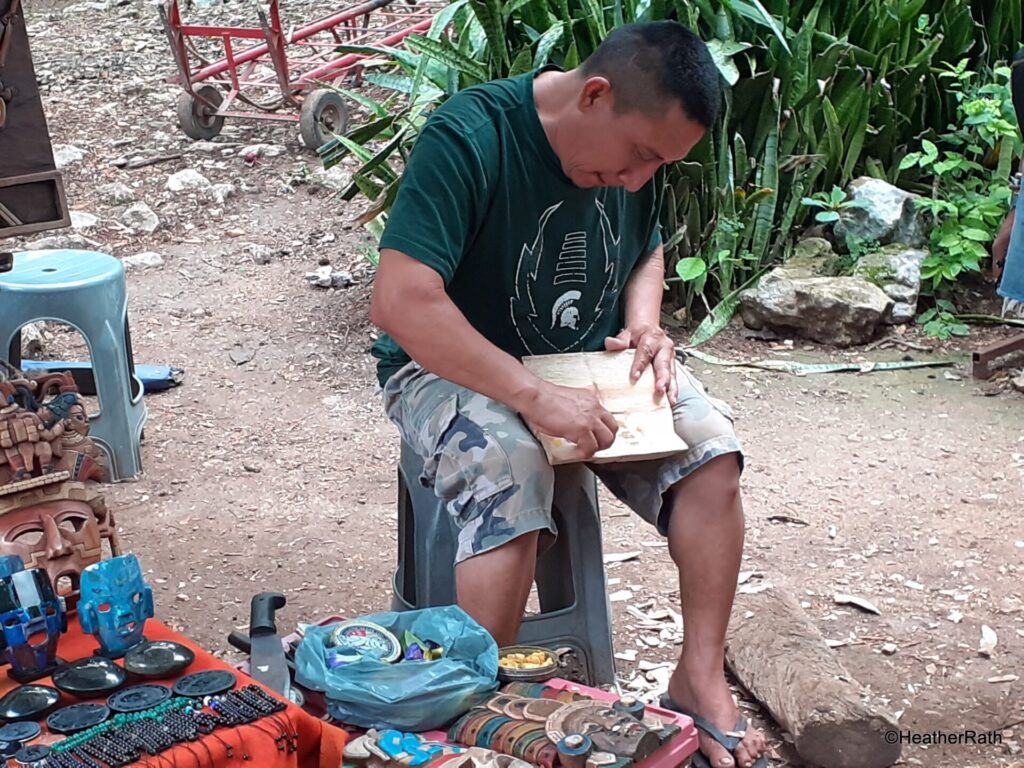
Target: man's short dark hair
x=649 y=62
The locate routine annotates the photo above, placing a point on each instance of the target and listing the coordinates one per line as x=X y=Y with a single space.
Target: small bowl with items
x=526 y=663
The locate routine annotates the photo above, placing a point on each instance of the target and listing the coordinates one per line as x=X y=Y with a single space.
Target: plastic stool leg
x=118 y=429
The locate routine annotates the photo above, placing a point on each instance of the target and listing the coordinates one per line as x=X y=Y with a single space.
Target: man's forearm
x=435 y=334
x=644 y=292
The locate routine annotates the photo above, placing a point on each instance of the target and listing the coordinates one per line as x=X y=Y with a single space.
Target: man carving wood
x=527 y=224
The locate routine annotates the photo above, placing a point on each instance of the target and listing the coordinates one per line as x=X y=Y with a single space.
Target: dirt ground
x=273 y=467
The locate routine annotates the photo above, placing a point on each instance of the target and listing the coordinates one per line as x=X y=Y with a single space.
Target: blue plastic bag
x=407 y=695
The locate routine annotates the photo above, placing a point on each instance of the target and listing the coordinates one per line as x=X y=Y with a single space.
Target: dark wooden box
x=32 y=195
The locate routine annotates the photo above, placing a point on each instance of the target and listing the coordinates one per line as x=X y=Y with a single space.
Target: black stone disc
x=138 y=697
x=89 y=677
x=206 y=683
x=29 y=702
x=22 y=732
x=9 y=749
x=31 y=755
x=77 y=718
x=158 y=658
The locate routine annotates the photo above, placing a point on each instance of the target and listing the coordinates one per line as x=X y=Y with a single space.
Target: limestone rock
x=842 y=311
x=145 y=260
x=141 y=218
x=890 y=215
x=896 y=269
x=186 y=180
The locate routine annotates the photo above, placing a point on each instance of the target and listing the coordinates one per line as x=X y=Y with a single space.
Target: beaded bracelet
x=127 y=736
x=120 y=720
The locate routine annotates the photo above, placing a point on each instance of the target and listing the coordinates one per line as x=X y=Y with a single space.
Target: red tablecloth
x=319 y=744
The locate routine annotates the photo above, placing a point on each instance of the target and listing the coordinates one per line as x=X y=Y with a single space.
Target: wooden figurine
x=26 y=442
x=44 y=431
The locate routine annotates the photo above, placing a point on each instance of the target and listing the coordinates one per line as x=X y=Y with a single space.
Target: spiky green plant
x=819 y=91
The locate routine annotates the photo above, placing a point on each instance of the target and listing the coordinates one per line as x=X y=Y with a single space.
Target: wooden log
x=783 y=660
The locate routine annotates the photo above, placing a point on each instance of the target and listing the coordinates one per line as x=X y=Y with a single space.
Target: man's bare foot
x=712 y=700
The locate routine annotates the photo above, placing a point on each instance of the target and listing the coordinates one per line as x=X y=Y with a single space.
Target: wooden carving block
x=646 y=430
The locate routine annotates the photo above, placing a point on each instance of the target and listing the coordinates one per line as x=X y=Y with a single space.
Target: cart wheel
x=323 y=115
x=198 y=119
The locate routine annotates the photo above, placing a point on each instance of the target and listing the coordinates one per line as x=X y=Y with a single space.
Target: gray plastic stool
x=87 y=291
x=571 y=585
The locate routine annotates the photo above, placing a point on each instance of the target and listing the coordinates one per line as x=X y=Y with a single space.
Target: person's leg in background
x=1000 y=246
x=1011 y=274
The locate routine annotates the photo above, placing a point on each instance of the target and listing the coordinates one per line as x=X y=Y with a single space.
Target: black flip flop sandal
x=728 y=740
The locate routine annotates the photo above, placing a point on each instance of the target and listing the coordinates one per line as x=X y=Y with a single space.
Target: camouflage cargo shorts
x=483 y=462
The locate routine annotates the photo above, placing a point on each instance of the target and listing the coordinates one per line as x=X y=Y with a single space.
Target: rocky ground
x=272 y=465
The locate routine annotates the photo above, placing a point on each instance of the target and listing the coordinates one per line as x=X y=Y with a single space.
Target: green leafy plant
x=819 y=91
x=846 y=263
x=968 y=168
x=832 y=204
x=941 y=322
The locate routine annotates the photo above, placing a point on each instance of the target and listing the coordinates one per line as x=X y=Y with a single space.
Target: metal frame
x=982 y=359
x=11 y=226
x=300 y=60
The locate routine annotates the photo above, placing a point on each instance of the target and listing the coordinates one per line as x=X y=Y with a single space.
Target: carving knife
x=266 y=657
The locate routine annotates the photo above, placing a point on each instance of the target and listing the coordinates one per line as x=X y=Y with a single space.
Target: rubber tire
x=191 y=118
x=323 y=114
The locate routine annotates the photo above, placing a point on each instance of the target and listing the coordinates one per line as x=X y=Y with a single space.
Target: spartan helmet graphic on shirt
x=555 y=305
x=566 y=313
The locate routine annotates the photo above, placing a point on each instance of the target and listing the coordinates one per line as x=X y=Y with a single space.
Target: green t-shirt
x=536 y=264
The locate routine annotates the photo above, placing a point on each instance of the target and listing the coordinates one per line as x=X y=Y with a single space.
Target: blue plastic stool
x=570 y=578
x=87 y=291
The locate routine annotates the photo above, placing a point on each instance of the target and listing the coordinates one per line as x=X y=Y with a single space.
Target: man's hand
x=573 y=414
x=653 y=347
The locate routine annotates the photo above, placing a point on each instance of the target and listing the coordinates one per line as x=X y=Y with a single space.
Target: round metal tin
x=367 y=637
x=537 y=674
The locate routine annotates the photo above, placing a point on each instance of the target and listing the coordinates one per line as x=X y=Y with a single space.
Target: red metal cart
x=282 y=76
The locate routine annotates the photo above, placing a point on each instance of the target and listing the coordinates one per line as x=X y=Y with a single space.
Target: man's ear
x=596 y=90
